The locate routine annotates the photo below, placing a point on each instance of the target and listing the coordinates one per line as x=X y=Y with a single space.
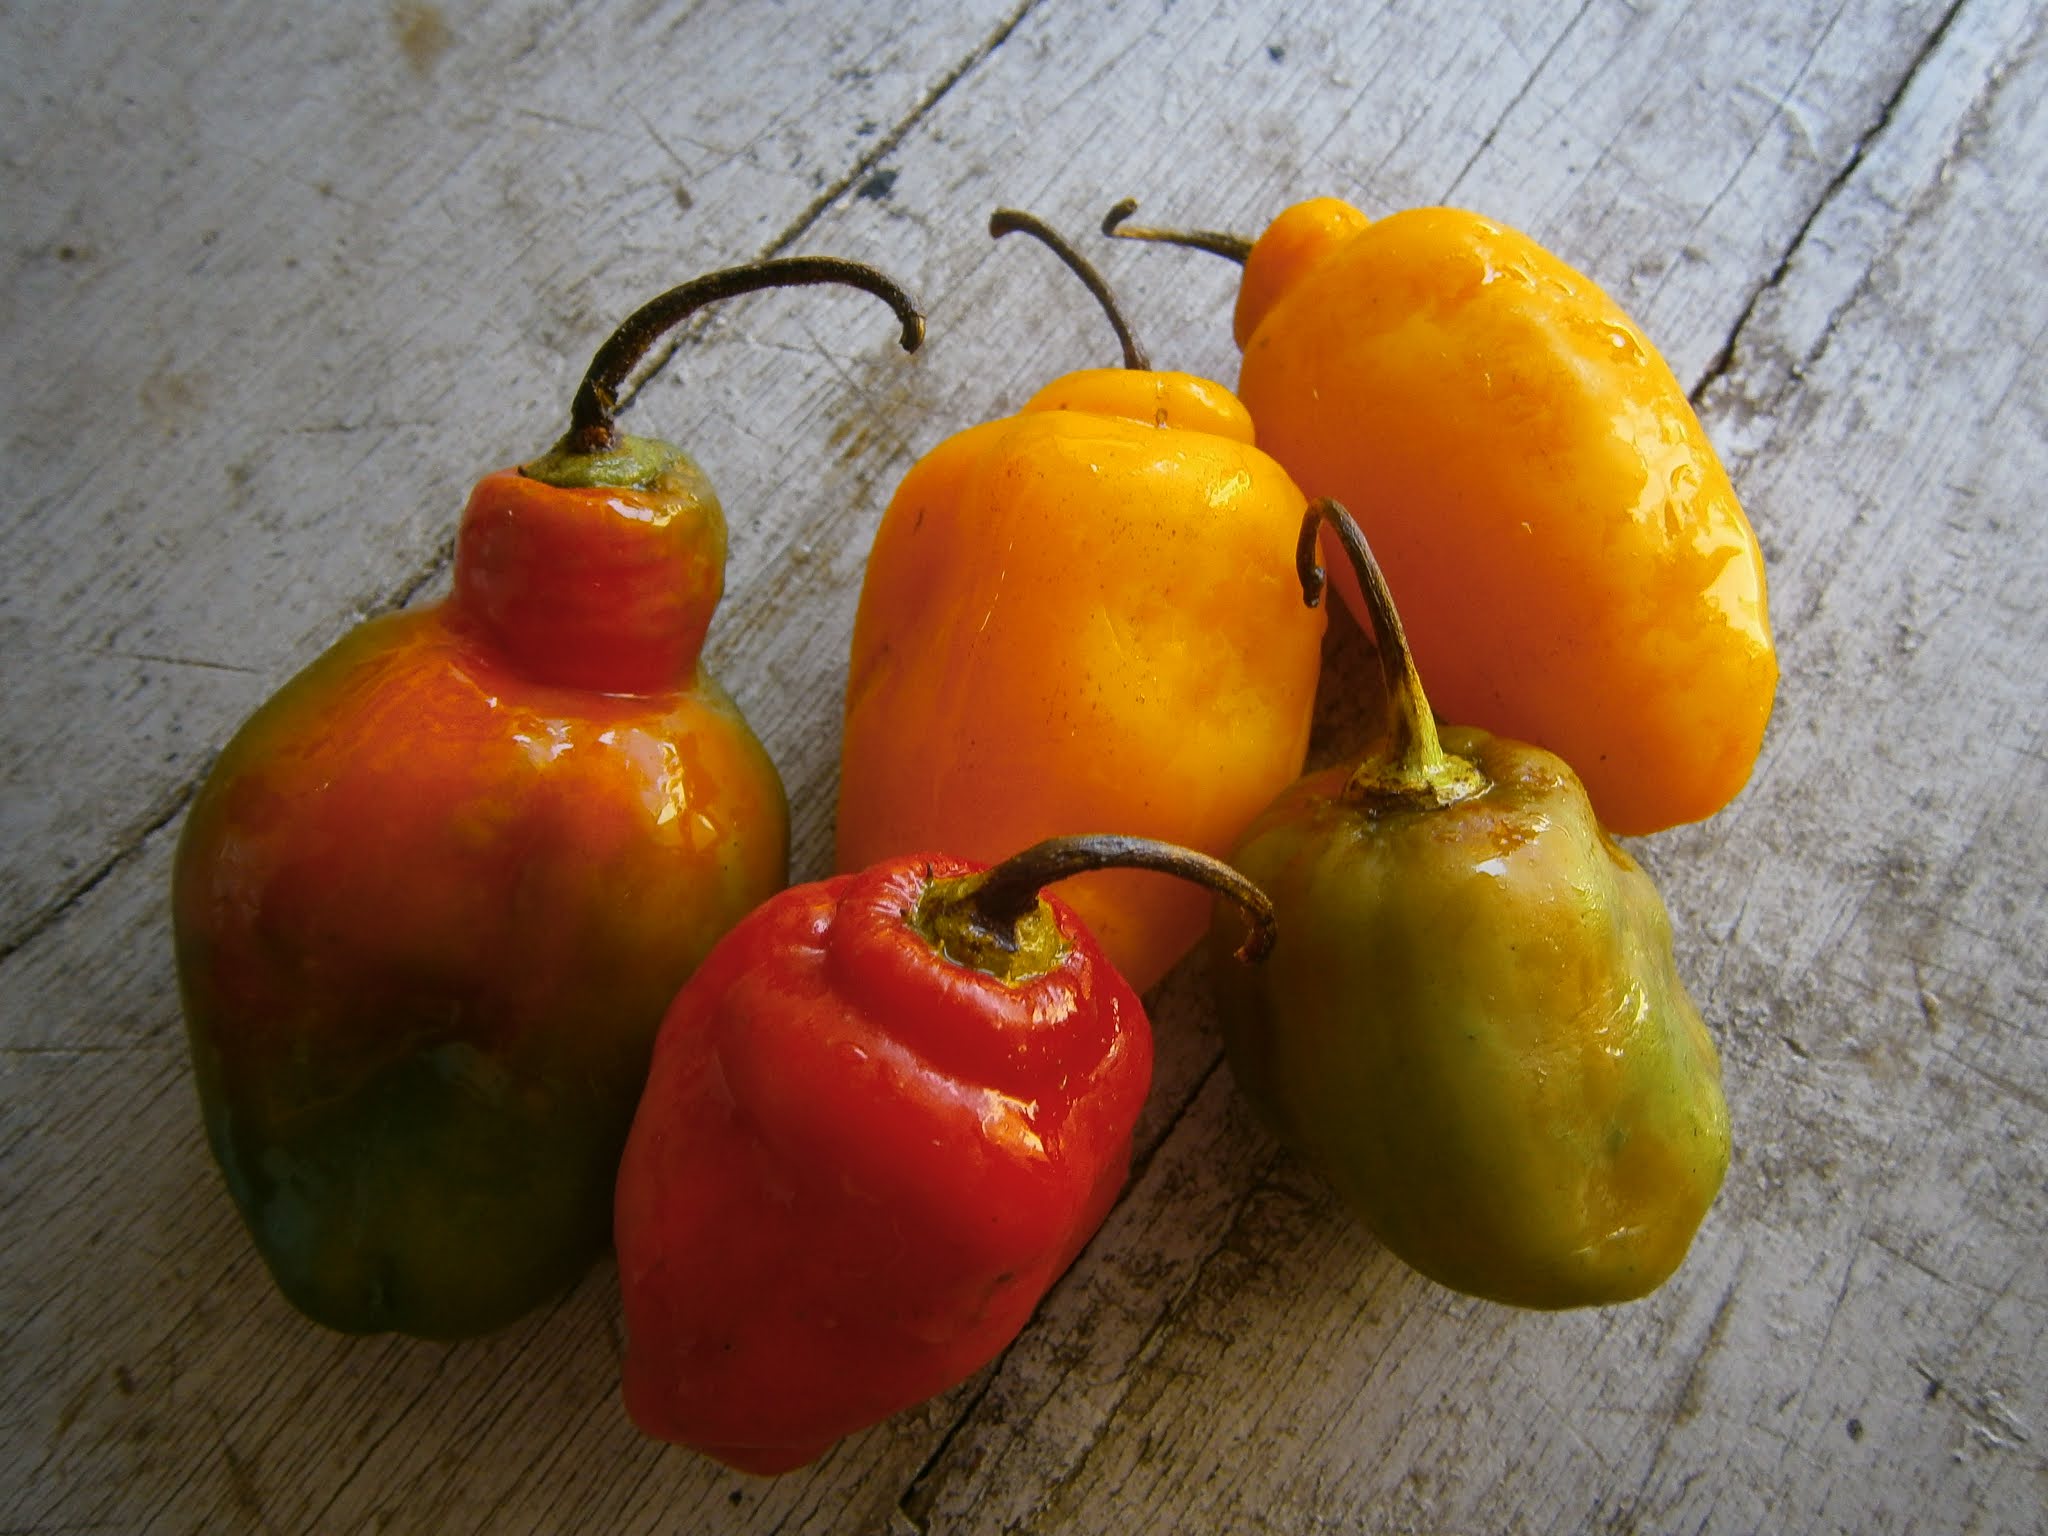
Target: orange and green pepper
x=433 y=898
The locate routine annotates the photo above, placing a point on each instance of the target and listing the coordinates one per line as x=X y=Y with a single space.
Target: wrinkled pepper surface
x=1472 y=1022
x=1077 y=618
x=883 y=1117
x=1574 y=567
x=433 y=898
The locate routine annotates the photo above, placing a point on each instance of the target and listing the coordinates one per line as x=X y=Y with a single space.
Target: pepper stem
x=1008 y=221
x=1414 y=764
x=1215 y=241
x=592 y=428
x=996 y=922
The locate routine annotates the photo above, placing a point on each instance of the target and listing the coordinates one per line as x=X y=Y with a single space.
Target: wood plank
x=298 y=279
x=1856 y=1342
x=1231 y=1353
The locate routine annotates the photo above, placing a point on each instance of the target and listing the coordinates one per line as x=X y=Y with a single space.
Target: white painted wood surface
x=280 y=282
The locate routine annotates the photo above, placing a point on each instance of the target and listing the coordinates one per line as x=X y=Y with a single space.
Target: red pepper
x=883 y=1117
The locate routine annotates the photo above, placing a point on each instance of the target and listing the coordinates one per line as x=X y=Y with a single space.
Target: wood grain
x=315 y=275
x=280 y=284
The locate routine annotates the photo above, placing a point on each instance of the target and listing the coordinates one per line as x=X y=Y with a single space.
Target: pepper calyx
x=995 y=921
x=1375 y=782
x=631 y=463
x=1016 y=951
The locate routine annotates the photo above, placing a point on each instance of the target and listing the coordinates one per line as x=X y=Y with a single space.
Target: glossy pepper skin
x=1076 y=618
x=860 y=1162
x=436 y=893
x=1574 y=567
x=433 y=898
x=1473 y=1025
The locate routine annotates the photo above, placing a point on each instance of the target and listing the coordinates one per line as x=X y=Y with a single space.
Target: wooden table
x=281 y=281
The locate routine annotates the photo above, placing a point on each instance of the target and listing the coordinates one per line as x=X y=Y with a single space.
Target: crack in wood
x=922 y=1491
x=74 y=895
x=1528 y=86
x=68 y=900
x=1171 y=1316
x=1722 y=366
x=1691 y=1393
x=433 y=571
x=856 y=177
x=180 y=661
x=914 y=1504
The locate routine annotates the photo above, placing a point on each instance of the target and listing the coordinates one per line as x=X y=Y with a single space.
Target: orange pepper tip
x=1185 y=402
x=1292 y=243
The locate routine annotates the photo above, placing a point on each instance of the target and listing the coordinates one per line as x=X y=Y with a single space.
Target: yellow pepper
x=1082 y=619
x=1574 y=567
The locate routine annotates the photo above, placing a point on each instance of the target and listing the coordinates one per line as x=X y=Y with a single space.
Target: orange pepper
x=1079 y=619
x=1574 y=567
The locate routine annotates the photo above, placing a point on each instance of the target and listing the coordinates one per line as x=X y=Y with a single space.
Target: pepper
x=434 y=896
x=1075 y=618
x=1472 y=1022
x=883 y=1118
x=1575 y=568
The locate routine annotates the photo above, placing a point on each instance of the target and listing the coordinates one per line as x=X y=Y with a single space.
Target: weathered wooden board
x=282 y=285
x=277 y=288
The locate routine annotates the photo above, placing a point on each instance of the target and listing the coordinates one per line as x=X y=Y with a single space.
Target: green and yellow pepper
x=1472 y=1022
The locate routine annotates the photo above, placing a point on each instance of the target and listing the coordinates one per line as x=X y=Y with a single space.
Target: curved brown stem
x=1009 y=221
x=591 y=425
x=1009 y=892
x=1414 y=763
x=1215 y=241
